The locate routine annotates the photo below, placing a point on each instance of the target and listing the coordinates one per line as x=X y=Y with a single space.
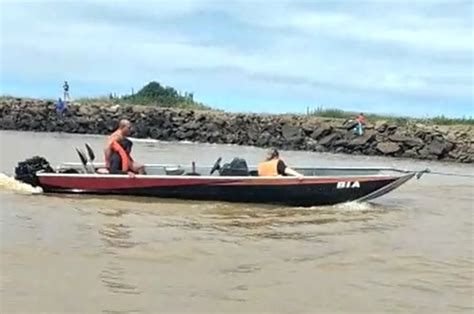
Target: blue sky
x=400 y=57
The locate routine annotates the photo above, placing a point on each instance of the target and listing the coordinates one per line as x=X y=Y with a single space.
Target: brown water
x=410 y=251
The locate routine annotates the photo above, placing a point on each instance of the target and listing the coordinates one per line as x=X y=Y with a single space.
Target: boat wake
x=345 y=207
x=355 y=207
x=10 y=184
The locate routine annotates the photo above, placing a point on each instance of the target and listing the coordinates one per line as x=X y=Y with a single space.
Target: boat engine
x=237 y=167
x=26 y=170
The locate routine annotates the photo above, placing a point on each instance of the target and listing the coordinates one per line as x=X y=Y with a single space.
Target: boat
x=232 y=182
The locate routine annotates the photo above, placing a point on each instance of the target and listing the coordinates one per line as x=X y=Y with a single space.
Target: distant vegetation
x=152 y=94
x=155 y=94
x=399 y=120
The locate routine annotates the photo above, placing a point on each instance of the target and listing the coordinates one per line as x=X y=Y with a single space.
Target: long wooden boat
x=319 y=186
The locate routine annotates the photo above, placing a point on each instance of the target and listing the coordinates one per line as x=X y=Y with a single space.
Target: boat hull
x=283 y=191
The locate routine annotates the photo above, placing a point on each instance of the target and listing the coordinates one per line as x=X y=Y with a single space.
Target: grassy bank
x=152 y=94
x=399 y=120
x=157 y=95
x=123 y=101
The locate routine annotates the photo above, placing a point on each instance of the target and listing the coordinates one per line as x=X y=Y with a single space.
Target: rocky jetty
x=295 y=132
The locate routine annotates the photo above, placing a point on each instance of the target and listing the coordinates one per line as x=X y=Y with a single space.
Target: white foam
x=354 y=206
x=143 y=140
x=9 y=183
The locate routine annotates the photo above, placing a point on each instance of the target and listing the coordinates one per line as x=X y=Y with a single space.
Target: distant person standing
x=66 y=91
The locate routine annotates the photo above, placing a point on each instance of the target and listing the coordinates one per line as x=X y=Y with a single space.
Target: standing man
x=66 y=91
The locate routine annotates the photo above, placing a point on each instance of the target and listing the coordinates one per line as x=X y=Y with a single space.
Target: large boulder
x=310 y=144
x=340 y=143
x=362 y=140
x=387 y=148
x=424 y=153
x=380 y=126
x=466 y=158
x=329 y=139
x=321 y=131
x=290 y=131
x=309 y=126
x=193 y=125
x=391 y=129
x=439 y=147
x=410 y=153
x=406 y=140
x=264 y=139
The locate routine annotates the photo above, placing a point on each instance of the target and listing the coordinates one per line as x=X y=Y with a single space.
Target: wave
x=151 y=140
x=143 y=140
x=10 y=184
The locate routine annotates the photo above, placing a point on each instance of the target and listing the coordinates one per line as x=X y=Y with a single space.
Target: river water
x=409 y=252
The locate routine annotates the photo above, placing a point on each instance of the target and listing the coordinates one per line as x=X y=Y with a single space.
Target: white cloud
x=396 y=53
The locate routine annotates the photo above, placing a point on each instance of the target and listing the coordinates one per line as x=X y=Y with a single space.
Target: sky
x=398 y=57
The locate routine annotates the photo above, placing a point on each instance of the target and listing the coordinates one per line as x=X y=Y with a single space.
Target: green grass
x=399 y=120
x=152 y=94
x=123 y=101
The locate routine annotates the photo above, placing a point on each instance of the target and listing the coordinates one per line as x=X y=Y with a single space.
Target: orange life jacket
x=268 y=168
x=113 y=145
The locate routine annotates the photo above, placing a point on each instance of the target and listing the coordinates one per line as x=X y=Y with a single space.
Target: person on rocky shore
x=359 y=127
x=60 y=107
x=66 y=91
x=113 y=145
x=273 y=166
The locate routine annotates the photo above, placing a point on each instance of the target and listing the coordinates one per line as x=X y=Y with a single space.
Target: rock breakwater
x=295 y=132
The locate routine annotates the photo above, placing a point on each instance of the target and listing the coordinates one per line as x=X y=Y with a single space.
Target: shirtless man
x=130 y=166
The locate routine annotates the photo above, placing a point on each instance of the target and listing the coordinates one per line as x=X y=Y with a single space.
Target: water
x=410 y=251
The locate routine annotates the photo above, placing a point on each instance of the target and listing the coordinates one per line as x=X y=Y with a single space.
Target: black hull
x=291 y=195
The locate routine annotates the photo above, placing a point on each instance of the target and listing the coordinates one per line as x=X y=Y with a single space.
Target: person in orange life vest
x=128 y=164
x=117 y=164
x=274 y=166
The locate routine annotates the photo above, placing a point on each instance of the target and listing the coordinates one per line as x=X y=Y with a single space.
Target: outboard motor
x=237 y=167
x=26 y=170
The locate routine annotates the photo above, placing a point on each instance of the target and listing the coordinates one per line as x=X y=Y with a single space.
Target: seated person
x=360 y=121
x=120 y=163
x=123 y=130
x=274 y=166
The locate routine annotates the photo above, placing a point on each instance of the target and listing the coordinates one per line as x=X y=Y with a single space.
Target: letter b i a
x=348 y=185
